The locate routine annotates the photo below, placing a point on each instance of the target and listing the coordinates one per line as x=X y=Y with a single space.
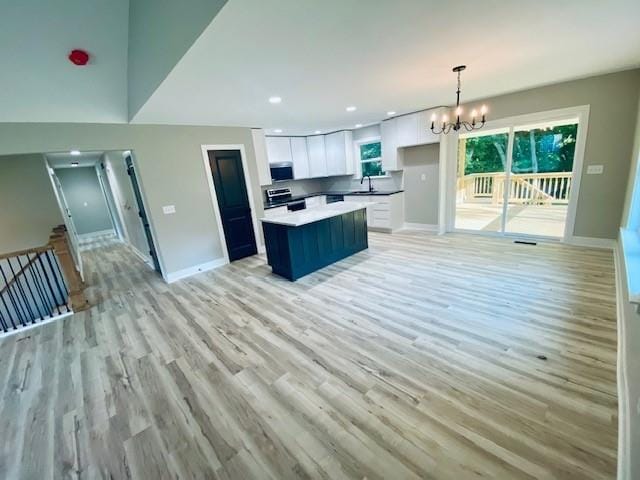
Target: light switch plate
x=423 y=177
x=169 y=209
x=595 y=169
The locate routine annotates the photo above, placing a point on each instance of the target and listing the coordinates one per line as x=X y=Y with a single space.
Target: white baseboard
x=425 y=227
x=593 y=242
x=147 y=260
x=31 y=326
x=100 y=233
x=624 y=413
x=188 y=272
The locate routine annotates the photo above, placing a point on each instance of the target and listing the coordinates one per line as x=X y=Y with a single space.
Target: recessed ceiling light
x=75 y=153
x=278 y=130
x=275 y=99
x=391 y=113
x=351 y=108
x=74 y=164
x=318 y=132
x=358 y=125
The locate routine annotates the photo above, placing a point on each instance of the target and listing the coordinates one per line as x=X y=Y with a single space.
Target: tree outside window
x=371 y=159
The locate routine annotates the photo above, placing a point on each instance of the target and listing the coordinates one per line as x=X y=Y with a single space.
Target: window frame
x=359 y=161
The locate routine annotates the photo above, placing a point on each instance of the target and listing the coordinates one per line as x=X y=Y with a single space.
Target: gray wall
x=171 y=168
x=613 y=99
x=629 y=323
x=28 y=206
x=120 y=183
x=160 y=33
x=421 y=196
x=85 y=199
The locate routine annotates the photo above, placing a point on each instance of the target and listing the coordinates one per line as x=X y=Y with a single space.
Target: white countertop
x=310 y=215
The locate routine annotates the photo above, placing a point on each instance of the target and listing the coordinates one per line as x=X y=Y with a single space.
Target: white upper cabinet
x=317 y=156
x=339 y=152
x=262 y=159
x=279 y=149
x=407 y=129
x=425 y=135
x=300 y=157
x=389 y=139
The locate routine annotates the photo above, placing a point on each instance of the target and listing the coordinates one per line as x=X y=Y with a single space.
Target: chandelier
x=447 y=126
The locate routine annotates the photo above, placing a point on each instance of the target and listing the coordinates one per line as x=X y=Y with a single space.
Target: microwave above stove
x=281 y=171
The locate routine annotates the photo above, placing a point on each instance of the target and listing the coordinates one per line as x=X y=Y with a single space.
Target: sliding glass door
x=517 y=180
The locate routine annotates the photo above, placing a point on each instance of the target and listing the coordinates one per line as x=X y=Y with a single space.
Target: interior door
x=233 y=201
x=142 y=213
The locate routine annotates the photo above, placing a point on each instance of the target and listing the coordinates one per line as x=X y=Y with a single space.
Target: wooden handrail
x=19 y=253
x=22 y=270
x=58 y=240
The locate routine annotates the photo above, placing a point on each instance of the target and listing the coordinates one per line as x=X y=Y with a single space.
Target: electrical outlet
x=423 y=177
x=595 y=169
x=169 y=209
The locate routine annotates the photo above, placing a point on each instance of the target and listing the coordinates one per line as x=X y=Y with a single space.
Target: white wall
x=120 y=183
x=421 y=195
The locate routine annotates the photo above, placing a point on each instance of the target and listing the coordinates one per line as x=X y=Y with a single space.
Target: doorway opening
x=100 y=198
x=520 y=179
x=229 y=183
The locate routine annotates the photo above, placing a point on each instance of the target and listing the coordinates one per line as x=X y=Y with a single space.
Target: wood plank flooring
x=415 y=359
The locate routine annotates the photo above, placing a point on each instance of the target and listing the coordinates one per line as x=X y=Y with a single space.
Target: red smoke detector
x=79 y=57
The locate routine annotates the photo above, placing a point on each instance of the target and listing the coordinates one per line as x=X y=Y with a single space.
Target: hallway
x=414 y=359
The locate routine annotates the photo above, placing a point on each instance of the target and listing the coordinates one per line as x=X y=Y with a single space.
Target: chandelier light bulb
x=483 y=109
x=445 y=119
x=474 y=113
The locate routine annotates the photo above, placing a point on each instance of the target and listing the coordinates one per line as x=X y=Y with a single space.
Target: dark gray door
x=233 y=201
x=142 y=214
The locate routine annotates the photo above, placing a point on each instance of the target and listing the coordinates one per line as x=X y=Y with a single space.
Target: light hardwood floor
x=414 y=359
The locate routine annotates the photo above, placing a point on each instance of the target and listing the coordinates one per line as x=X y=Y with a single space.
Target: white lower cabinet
x=385 y=214
x=316 y=201
x=275 y=211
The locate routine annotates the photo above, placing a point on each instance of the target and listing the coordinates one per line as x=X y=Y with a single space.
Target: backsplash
x=298 y=187
x=392 y=182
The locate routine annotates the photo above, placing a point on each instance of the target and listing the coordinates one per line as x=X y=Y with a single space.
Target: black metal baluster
x=12 y=299
x=46 y=277
x=4 y=302
x=2 y=320
x=55 y=278
x=48 y=302
x=61 y=276
x=32 y=272
x=23 y=296
x=28 y=281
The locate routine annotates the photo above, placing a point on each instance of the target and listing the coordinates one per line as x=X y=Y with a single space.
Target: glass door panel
x=482 y=162
x=540 y=177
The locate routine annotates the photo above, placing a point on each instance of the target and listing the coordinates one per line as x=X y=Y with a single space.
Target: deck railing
x=524 y=188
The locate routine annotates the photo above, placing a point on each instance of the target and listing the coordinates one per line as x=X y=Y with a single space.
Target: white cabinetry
x=279 y=149
x=300 y=157
x=275 y=211
x=407 y=129
x=262 y=158
x=339 y=152
x=317 y=156
x=389 y=139
x=316 y=201
x=386 y=212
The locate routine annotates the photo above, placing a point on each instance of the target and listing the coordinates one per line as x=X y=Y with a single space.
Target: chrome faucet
x=370 y=184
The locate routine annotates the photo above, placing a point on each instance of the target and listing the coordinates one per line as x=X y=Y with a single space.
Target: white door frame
x=214 y=198
x=580 y=112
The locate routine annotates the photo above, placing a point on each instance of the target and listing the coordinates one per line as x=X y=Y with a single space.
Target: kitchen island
x=302 y=242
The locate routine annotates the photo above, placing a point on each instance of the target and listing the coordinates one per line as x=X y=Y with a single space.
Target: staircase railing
x=39 y=284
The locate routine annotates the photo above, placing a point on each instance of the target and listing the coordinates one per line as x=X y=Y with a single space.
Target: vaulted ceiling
x=217 y=62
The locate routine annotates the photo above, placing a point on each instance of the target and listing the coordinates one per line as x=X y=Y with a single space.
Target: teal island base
x=297 y=250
